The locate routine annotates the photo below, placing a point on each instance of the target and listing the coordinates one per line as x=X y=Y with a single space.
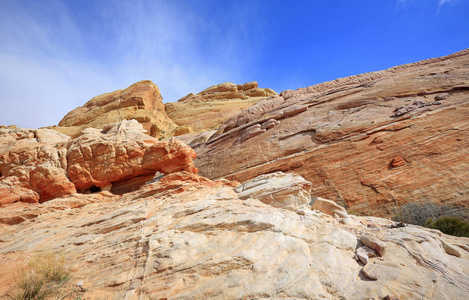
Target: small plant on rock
x=450 y=225
x=449 y=219
x=42 y=277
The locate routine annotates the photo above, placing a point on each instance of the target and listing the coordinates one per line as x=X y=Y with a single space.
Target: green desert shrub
x=449 y=219
x=450 y=225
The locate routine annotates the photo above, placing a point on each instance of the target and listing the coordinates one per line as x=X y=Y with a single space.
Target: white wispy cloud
x=53 y=61
x=440 y=2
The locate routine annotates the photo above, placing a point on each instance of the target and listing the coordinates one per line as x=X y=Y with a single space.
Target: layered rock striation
x=209 y=108
x=141 y=101
x=39 y=165
x=187 y=237
x=372 y=142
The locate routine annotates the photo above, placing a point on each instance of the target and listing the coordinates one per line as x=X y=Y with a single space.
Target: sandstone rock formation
x=122 y=151
x=185 y=237
x=39 y=165
x=211 y=107
x=33 y=165
x=141 y=101
x=370 y=142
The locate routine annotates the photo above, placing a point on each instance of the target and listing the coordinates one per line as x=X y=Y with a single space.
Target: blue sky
x=56 y=55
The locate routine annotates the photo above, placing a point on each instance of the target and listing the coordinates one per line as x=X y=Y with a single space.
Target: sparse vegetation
x=448 y=219
x=43 y=277
x=450 y=225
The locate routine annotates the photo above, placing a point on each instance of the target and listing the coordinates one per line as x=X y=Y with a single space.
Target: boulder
x=329 y=207
x=289 y=191
x=374 y=243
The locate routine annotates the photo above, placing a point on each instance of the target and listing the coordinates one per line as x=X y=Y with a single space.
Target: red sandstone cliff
x=372 y=142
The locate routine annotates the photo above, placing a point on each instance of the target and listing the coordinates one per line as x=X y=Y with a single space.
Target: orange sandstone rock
x=345 y=137
x=211 y=107
x=39 y=165
x=141 y=101
x=121 y=151
x=32 y=165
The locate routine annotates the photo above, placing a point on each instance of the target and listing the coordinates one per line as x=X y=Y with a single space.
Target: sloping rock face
x=141 y=101
x=186 y=237
x=211 y=107
x=371 y=142
x=39 y=165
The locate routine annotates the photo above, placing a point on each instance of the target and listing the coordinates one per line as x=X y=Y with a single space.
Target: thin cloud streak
x=440 y=3
x=142 y=40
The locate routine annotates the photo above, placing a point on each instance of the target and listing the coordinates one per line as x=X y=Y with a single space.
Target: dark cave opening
x=95 y=189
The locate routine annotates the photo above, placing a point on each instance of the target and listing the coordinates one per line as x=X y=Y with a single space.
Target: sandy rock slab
x=185 y=237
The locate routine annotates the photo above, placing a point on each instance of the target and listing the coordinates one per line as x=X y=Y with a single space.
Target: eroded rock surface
x=289 y=191
x=346 y=138
x=211 y=107
x=186 y=237
x=141 y=101
x=39 y=165
x=123 y=151
x=33 y=165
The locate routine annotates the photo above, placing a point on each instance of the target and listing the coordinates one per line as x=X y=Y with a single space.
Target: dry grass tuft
x=43 y=277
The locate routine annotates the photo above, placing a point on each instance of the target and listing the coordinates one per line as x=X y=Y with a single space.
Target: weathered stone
x=294 y=110
x=271 y=123
x=211 y=107
x=362 y=255
x=288 y=191
x=123 y=151
x=371 y=271
x=419 y=103
x=251 y=113
x=398 y=162
x=141 y=101
x=32 y=165
x=450 y=249
x=441 y=97
x=402 y=110
x=329 y=207
x=251 y=132
x=374 y=243
x=40 y=165
x=187 y=237
x=346 y=153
